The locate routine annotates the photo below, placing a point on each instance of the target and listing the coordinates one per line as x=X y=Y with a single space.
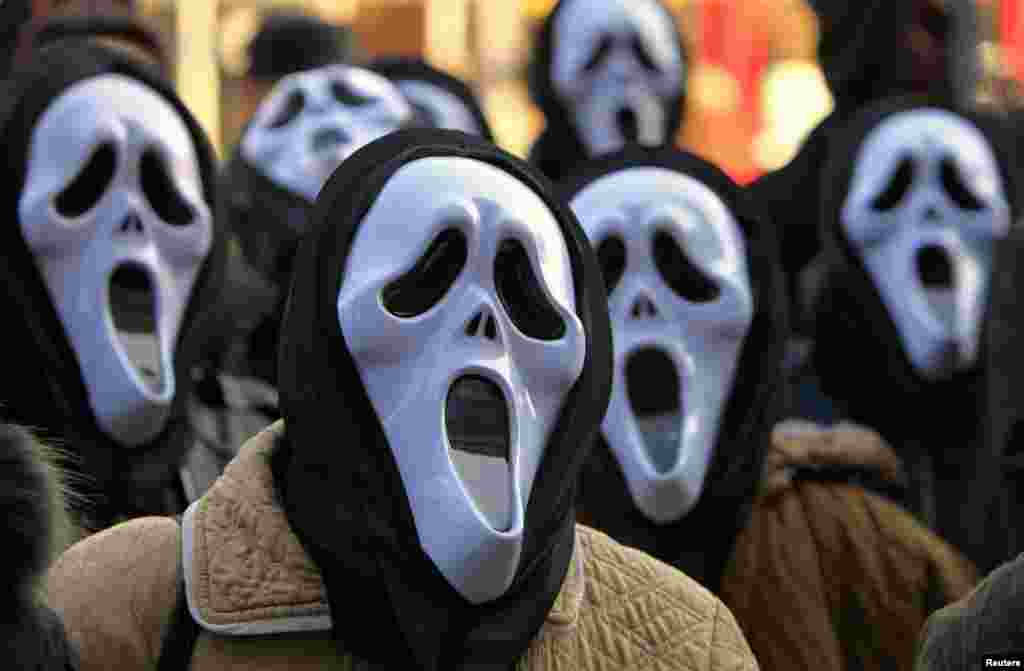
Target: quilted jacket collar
x=247 y=574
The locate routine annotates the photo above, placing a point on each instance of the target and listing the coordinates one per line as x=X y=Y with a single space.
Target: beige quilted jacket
x=261 y=603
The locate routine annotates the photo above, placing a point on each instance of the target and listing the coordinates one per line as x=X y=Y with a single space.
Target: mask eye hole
x=290 y=109
x=604 y=47
x=643 y=55
x=958 y=192
x=611 y=255
x=426 y=283
x=424 y=116
x=522 y=296
x=88 y=187
x=679 y=273
x=898 y=187
x=346 y=95
x=160 y=191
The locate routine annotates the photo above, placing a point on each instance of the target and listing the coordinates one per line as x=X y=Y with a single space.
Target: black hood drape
x=864 y=49
x=934 y=426
x=559 y=147
x=340 y=484
x=50 y=393
x=1004 y=411
x=102 y=26
x=13 y=15
x=403 y=68
x=700 y=543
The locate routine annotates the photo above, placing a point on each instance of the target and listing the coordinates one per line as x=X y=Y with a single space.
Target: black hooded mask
x=440 y=99
x=164 y=272
x=866 y=55
x=368 y=527
x=664 y=276
x=300 y=132
x=918 y=200
x=625 y=66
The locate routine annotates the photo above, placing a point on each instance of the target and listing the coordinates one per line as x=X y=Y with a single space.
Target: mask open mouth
x=477 y=424
x=628 y=124
x=936 y=271
x=652 y=386
x=133 y=309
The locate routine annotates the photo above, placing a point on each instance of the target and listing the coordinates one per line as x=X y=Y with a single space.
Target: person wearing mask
x=113 y=265
x=693 y=464
x=919 y=198
x=605 y=74
x=382 y=524
x=308 y=125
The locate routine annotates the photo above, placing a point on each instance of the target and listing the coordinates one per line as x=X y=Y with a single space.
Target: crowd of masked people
x=376 y=394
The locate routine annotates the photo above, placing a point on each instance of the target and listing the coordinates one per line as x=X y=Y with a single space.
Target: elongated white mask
x=674 y=261
x=458 y=308
x=924 y=211
x=441 y=107
x=312 y=121
x=113 y=211
x=616 y=64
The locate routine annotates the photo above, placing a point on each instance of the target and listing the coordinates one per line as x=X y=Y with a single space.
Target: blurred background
x=755 y=88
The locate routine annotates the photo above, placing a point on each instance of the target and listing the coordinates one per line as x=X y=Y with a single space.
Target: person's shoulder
x=116 y=589
x=640 y=598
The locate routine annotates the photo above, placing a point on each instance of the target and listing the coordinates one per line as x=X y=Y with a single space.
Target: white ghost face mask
x=458 y=308
x=113 y=212
x=924 y=212
x=314 y=120
x=441 y=107
x=680 y=302
x=616 y=65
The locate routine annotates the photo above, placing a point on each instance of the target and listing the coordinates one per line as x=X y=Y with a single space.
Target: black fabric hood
x=345 y=501
x=266 y=219
x=559 y=147
x=864 y=53
x=1004 y=412
x=290 y=42
x=862 y=364
x=118 y=27
x=402 y=68
x=13 y=15
x=700 y=543
x=51 y=396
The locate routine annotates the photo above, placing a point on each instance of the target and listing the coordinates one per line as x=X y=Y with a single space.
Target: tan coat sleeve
x=831 y=577
x=115 y=591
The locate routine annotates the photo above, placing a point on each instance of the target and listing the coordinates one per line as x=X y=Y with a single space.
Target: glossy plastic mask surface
x=457 y=305
x=443 y=108
x=925 y=210
x=616 y=66
x=113 y=212
x=312 y=121
x=680 y=300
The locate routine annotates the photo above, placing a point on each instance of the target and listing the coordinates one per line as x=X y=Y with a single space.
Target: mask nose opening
x=327 y=140
x=653 y=390
x=479 y=436
x=628 y=124
x=133 y=308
